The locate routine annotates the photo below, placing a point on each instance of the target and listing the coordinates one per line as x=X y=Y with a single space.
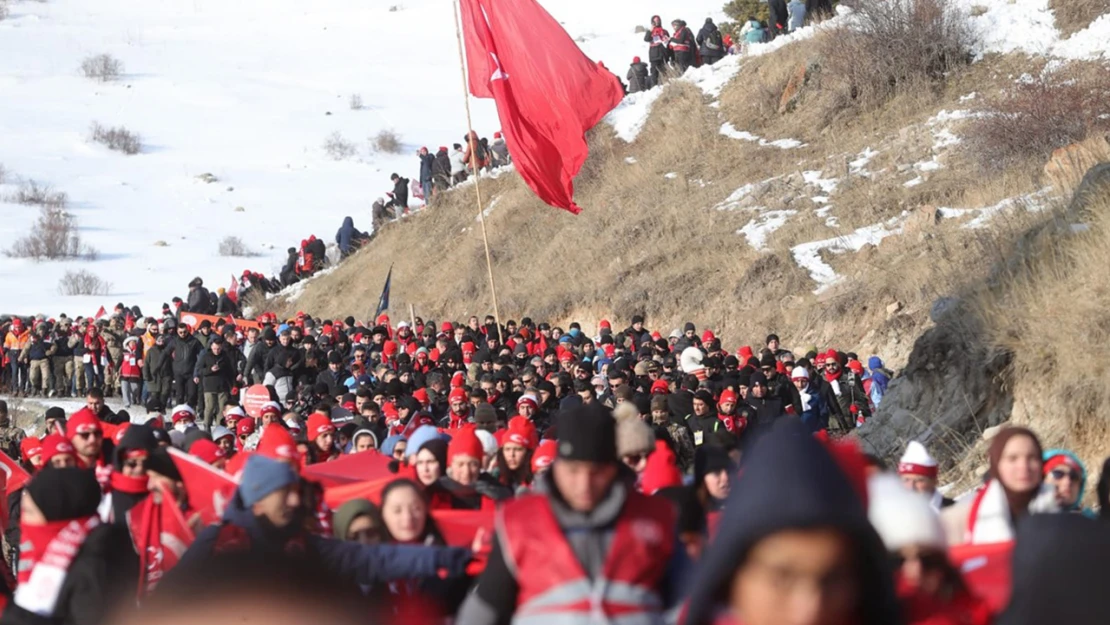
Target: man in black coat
x=441 y=170
x=199 y=300
x=400 y=194
x=289 y=271
x=184 y=350
x=779 y=18
x=638 y=78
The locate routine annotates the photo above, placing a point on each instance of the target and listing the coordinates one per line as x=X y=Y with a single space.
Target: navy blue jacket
x=789 y=481
x=349 y=560
x=346 y=235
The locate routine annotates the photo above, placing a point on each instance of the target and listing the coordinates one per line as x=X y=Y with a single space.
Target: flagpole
x=474 y=167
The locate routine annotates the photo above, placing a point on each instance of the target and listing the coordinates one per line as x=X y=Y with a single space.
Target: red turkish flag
x=161 y=536
x=16 y=477
x=100 y=313
x=548 y=92
x=209 y=489
x=233 y=290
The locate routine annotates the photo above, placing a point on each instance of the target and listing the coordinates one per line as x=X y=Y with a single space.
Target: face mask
x=181 y=426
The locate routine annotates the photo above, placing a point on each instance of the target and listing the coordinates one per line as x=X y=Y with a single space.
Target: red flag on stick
x=100 y=313
x=233 y=290
x=16 y=476
x=161 y=537
x=548 y=92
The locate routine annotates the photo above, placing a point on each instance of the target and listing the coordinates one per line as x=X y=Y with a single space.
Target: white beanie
x=901 y=516
x=799 y=373
x=917 y=461
x=489 y=442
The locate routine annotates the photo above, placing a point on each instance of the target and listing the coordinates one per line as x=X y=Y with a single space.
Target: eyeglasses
x=1059 y=474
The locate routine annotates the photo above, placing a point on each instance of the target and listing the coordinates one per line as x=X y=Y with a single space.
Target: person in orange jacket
x=16 y=339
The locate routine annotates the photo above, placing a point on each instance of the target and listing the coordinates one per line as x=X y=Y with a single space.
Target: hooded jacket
x=790 y=460
x=347 y=235
x=1077 y=507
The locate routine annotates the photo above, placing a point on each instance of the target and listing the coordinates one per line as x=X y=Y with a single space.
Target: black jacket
x=442 y=164
x=789 y=481
x=658 y=52
x=184 y=354
x=199 y=301
x=401 y=192
x=427 y=161
x=280 y=356
x=220 y=380
x=256 y=363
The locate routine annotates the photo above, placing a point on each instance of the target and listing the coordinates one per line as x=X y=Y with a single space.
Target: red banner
x=193 y=320
x=361 y=467
x=17 y=476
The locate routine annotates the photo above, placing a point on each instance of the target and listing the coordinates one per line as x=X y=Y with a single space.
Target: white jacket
x=458 y=164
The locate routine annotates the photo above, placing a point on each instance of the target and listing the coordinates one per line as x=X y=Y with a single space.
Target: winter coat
x=711 y=42
x=225 y=306
x=348 y=236
x=104 y=573
x=778 y=19
x=427 y=162
x=815 y=410
x=458 y=162
x=256 y=362
x=753 y=32
x=500 y=151
x=199 y=301
x=401 y=192
x=986 y=518
x=790 y=463
x=796 y=14
x=220 y=380
x=280 y=356
x=848 y=392
x=442 y=165
x=349 y=560
x=157 y=364
x=683 y=46
x=184 y=353
x=131 y=365
x=658 y=51
x=638 y=79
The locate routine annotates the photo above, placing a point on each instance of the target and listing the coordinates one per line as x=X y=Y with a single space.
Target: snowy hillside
x=247 y=91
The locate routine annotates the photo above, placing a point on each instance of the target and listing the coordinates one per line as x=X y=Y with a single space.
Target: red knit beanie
x=465 y=443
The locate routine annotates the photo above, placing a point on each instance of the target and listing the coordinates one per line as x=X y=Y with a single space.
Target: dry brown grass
x=1075 y=15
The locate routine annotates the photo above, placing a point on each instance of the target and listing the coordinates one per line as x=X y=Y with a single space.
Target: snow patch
x=827 y=185
x=730 y=131
x=489 y=209
x=1029 y=26
x=808 y=255
x=629 y=117
x=758 y=229
x=631 y=160
x=670 y=175
x=982 y=216
x=859 y=165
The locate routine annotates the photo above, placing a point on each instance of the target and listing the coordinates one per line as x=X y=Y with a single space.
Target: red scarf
x=832 y=377
x=130 y=485
x=45 y=554
x=455 y=421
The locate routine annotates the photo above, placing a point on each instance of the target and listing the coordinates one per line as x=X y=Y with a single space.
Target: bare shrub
x=102 y=67
x=356 y=102
x=894 y=46
x=234 y=246
x=337 y=148
x=3 y=174
x=1027 y=122
x=1075 y=15
x=4 y=9
x=52 y=237
x=387 y=142
x=82 y=282
x=44 y=195
x=118 y=139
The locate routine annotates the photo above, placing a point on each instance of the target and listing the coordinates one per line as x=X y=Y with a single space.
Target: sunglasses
x=135 y=464
x=1059 y=474
x=90 y=434
x=244 y=437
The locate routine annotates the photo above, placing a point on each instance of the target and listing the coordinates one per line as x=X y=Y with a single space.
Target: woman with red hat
x=514 y=460
x=321 y=439
x=465 y=487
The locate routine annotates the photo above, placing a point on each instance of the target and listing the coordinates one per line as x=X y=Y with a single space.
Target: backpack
x=713 y=40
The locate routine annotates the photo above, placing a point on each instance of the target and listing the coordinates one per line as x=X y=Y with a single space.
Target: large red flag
x=233 y=290
x=548 y=92
x=17 y=476
x=208 y=488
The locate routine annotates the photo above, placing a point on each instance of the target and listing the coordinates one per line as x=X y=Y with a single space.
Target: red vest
x=555 y=589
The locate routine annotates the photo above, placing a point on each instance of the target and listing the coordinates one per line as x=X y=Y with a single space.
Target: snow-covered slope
x=247 y=91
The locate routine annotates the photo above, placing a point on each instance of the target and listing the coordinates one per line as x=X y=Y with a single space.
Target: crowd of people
x=625 y=475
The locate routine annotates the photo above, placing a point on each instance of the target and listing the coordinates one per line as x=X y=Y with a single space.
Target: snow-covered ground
x=247 y=91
